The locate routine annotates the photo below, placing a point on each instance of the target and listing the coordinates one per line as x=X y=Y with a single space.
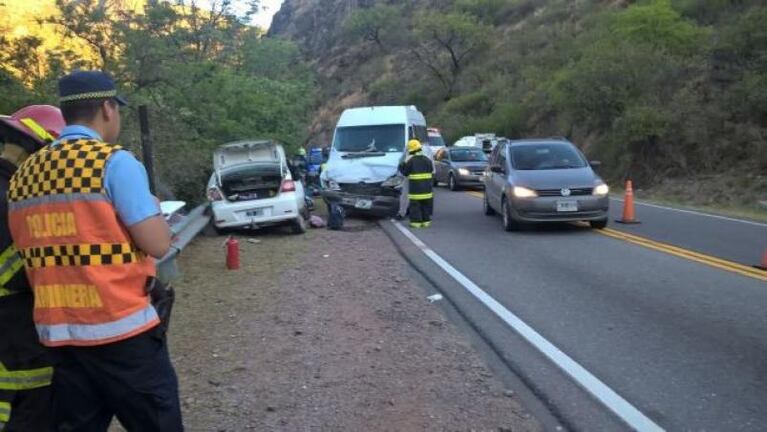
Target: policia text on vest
x=63 y=227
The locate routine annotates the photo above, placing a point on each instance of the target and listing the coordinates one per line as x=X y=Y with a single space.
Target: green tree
x=447 y=42
x=207 y=77
x=657 y=23
x=373 y=24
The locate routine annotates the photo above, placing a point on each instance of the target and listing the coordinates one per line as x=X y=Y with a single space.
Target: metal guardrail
x=183 y=232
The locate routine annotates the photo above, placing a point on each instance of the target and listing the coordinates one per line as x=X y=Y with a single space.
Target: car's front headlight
x=332 y=185
x=601 y=190
x=523 y=192
x=394 y=181
x=463 y=171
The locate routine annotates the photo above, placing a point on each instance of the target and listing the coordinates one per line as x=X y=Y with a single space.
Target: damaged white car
x=368 y=146
x=252 y=187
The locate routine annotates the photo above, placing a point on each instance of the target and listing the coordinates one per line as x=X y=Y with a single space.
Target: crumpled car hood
x=374 y=169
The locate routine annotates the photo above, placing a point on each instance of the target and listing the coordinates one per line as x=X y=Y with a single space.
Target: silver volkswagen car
x=544 y=180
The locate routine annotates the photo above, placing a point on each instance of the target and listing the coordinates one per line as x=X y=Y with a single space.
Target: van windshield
x=374 y=139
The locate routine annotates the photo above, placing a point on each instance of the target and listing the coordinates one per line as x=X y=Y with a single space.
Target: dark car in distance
x=460 y=167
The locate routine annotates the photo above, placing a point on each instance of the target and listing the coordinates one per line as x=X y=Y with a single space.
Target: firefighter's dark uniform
x=25 y=372
x=418 y=169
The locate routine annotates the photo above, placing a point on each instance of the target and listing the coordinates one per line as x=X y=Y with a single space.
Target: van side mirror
x=497 y=169
x=595 y=164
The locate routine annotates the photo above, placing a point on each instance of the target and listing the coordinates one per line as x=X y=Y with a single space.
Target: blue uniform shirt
x=125 y=180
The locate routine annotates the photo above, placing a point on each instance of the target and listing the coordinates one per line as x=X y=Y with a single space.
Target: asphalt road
x=683 y=342
x=723 y=237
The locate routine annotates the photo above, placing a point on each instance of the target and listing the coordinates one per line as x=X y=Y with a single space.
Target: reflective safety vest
x=5 y=413
x=87 y=275
x=418 y=169
x=10 y=265
x=25 y=379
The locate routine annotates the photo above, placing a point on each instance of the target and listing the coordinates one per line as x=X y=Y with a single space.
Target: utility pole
x=146 y=146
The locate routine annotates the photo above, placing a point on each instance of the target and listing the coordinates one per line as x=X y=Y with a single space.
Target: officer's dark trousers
x=420 y=212
x=132 y=380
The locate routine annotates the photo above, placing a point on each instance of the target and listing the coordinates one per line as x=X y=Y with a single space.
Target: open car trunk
x=252 y=182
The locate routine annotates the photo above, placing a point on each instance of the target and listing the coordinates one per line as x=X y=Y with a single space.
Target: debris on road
x=316 y=222
x=434 y=298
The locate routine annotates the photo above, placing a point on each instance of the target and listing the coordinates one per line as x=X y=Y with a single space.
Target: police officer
x=25 y=370
x=86 y=225
x=418 y=169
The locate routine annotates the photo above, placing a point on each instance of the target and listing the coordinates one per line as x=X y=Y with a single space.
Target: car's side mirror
x=595 y=164
x=497 y=169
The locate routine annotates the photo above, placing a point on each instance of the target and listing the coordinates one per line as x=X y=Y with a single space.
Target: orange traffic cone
x=763 y=265
x=628 y=206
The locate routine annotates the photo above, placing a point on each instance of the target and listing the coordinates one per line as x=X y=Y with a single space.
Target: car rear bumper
x=383 y=206
x=470 y=180
x=544 y=209
x=240 y=214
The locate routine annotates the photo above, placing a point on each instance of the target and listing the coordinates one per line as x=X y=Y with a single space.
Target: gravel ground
x=325 y=331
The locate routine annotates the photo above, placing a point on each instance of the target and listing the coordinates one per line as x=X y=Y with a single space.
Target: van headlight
x=601 y=190
x=394 y=181
x=332 y=185
x=463 y=171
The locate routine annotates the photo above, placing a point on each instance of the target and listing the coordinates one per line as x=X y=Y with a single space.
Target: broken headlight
x=394 y=181
x=332 y=185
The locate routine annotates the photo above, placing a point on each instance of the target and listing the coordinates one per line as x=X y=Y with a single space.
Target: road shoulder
x=328 y=331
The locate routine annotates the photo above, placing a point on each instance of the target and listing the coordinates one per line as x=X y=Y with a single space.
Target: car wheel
x=451 y=183
x=509 y=224
x=489 y=211
x=299 y=225
x=598 y=224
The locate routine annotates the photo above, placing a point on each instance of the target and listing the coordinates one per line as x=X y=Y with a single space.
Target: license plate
x=363 y=204
x=254 y=213
x=567 y=206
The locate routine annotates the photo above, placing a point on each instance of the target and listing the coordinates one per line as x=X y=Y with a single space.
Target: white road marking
x=697 y=213
x=609 y=398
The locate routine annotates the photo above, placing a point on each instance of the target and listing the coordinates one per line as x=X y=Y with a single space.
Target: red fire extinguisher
x=232 y=253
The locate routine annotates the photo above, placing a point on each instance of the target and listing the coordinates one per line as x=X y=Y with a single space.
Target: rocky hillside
x=657 y=89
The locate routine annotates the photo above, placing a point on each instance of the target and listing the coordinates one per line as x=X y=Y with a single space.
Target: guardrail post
x=146 y=147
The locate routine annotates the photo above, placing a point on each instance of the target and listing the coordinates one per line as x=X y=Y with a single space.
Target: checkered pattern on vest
x=74 y=166
x=81 y=255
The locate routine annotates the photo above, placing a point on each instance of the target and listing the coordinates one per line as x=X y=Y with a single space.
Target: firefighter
x=25 y=370
x=418 y=169
x=87 y=227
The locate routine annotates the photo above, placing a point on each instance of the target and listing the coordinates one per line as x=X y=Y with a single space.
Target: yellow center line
x=476 y=194
x=709 y=260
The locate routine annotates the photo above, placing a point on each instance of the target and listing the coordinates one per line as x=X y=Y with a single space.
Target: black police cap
x=88 y=85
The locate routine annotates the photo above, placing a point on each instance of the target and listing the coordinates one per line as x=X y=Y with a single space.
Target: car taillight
x=215 y=195
x=288 y=186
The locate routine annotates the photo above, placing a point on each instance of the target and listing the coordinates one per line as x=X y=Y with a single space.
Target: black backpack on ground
x=335 y=217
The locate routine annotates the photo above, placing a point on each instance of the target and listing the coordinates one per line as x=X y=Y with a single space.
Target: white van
x=485 y=141
x=252 y=187
x=368 y=145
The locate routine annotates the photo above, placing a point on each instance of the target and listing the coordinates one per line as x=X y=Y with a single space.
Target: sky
x=264 y=18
